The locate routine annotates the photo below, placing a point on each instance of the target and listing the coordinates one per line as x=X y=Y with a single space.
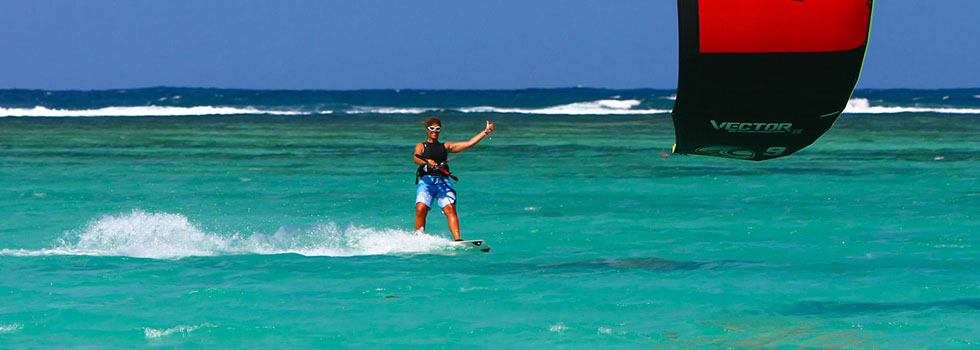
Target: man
x=433 y=173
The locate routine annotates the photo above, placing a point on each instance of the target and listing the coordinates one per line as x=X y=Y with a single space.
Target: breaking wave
x=600 y=107
x=863 y=106
x=391 y=110
x=166 y=236
x=597 y=107
x=141 y=111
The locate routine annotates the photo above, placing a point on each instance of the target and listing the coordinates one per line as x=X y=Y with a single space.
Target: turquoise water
x=259 y=231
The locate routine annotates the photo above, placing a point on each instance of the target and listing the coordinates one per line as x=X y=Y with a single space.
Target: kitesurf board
x=477 y=244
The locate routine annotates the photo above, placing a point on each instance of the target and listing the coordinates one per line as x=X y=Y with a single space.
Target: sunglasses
x=434 y=128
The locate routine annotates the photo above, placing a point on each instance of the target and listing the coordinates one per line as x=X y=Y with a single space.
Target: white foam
x=558 y=327
x=140 y=111
x=5 y=328
x=390 y=110
x=976 y=96
x=331 y=240
x=152 y=333
x=863 y=106
x=600 y=107
x=167 y=236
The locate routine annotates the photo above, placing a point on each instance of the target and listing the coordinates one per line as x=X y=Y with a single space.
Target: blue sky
x=434 y=44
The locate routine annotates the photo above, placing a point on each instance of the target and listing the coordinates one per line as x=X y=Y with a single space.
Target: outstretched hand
x=488 y=129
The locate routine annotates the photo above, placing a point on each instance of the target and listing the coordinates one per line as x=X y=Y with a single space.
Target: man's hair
x=431 y=121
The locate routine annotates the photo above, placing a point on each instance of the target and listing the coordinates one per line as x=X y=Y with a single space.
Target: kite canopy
x=762 y=79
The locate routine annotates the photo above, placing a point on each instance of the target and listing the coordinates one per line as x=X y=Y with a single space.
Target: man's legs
x=451 y=217
x=421 y=210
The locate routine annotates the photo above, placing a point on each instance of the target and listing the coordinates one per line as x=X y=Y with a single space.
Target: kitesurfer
x=433 y=174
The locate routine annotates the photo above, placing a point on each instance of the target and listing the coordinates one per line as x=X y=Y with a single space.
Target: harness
x=437 y=153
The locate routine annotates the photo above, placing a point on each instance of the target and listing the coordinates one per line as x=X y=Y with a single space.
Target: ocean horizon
x=171 y=101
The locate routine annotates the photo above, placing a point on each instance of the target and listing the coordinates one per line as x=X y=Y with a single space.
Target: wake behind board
x=477 y=244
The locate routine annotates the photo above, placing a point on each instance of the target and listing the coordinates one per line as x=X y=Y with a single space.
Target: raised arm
x=456 y=147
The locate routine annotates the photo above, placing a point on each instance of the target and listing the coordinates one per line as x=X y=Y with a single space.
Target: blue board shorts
x=435 y=187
